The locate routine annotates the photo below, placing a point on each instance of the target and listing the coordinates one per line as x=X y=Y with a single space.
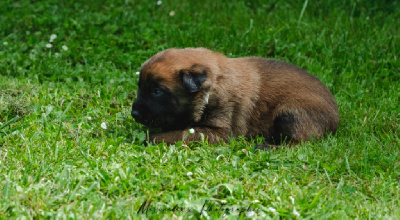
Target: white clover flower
x=159 y=2
x=295 y=212
x=104 y=125
x=171 y=13
x=292 y=199
x=189 y=174
x=137 y=73
x=5 y=43
x=89 y=118
x=53 y=37
x=244 y=150
x=49 y=45
x=64 y=47
x=191 y=131
x=273 y=210
x=256 y=201
x=250 y=214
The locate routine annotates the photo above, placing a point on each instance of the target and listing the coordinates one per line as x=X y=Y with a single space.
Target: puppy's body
x=220 y=96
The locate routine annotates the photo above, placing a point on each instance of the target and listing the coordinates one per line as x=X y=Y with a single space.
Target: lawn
x=70 y=149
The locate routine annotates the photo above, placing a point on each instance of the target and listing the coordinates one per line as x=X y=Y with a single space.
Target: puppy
x=221 y=97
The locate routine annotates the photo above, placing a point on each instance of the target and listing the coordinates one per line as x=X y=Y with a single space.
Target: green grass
x=57 y=162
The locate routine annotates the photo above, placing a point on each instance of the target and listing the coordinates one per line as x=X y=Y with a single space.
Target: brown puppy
x=219 y=96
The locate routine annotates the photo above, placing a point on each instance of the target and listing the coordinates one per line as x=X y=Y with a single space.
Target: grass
x=57 y=162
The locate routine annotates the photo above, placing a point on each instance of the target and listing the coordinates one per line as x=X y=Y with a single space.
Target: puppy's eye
x=157 y=92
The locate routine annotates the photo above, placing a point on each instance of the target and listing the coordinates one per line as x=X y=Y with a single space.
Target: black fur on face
x=158 y=107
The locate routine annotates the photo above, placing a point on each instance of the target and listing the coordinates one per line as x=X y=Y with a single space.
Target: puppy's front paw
x=153 y=139
x=158 y=138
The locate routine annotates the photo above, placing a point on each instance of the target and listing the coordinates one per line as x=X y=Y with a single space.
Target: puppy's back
x=291 y=101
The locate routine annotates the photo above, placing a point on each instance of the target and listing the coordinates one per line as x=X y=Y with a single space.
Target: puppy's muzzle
x=135 y=114
x=135 y=111
x=138 y=113
x=138 y=117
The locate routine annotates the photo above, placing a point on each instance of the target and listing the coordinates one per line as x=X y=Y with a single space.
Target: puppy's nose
x=135 y=113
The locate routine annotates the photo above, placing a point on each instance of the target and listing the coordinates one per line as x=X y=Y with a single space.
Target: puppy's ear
x=193 y=81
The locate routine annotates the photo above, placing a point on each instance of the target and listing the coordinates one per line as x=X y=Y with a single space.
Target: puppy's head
x=173 y=88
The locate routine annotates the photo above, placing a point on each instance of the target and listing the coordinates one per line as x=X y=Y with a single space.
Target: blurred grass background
x=57 y=161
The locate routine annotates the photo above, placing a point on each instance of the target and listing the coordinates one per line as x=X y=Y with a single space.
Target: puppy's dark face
x=158 y=106
x=167 y=92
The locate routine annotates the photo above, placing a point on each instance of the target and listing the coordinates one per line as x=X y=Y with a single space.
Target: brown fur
x=246 y=96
